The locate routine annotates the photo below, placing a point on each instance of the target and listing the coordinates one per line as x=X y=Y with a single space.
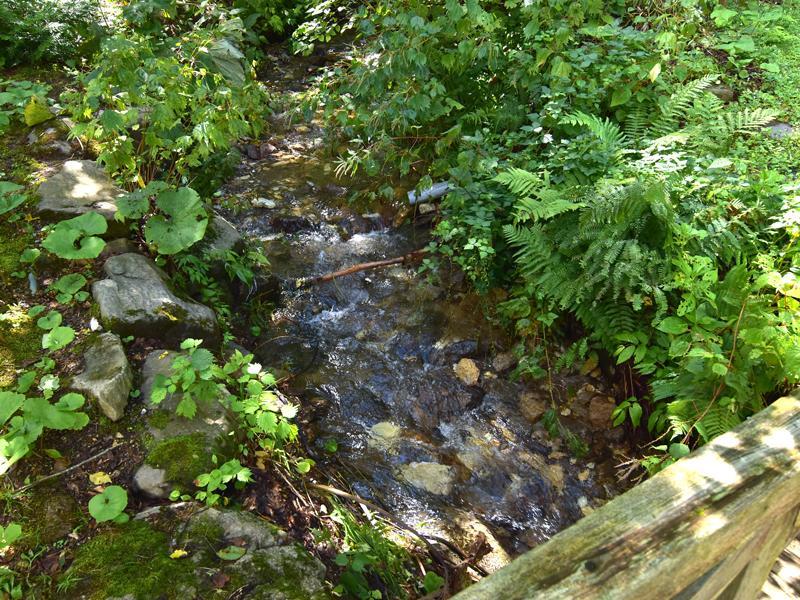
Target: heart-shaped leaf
x=58 y=338
x=50 y=321
x=232 y=553
x=108 y=505
x=70 y=284
x=182 y=223
x=75 y=238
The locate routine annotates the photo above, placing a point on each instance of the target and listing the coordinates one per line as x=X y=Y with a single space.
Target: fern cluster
x=659 y=271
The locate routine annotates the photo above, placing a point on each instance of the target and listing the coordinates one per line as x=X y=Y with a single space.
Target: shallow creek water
x=374 y=354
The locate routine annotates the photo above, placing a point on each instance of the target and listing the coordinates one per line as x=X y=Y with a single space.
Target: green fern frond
x=608 y=132
x=636 y=123
x=530 y=209
x=520 y=182
x=746 y=121
x=677 y=107
x=717 y=420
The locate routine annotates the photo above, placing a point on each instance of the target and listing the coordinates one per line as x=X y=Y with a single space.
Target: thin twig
x=67 y=470
x=399 y=260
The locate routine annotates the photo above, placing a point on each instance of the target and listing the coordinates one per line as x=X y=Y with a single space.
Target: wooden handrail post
x=708 y=527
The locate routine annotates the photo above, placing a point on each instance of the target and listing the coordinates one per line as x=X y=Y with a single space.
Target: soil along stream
x=407 y=377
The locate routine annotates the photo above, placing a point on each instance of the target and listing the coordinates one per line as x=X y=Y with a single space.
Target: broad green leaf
x=9 y=199
x=50 y=321
x=75 y=238
x=108 y=505
x=673 y=325
x=70 y=284
x=228 y=61
x=58 y=338
x=36 y=111
x=9 y=404
x=635 y=411
x=232 y=553
x=678 y=450
x=60 y=415
x=620 y=96
x=182 y=223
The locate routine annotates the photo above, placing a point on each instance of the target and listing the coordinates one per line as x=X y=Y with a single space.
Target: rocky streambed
x=408 y=378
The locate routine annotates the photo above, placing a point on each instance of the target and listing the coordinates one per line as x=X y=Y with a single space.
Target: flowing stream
x=374 y=353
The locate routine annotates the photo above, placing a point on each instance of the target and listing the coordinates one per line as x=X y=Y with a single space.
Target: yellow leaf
x=654 y=72
x=99 y=478
x=36 y=111
x=179 y=554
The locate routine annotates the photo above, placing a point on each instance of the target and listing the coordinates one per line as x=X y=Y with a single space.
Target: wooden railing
x=710 y=526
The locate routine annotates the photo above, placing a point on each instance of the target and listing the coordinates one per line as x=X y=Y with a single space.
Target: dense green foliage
x=39 y=31
x=594 y=175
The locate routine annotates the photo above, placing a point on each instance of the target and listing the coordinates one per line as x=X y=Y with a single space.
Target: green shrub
x=45 y=31
x=159 y=107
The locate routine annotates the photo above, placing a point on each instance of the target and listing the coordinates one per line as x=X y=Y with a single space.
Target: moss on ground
x=132 y=559
x=183 y=457
x=48 y=514
x=20 y=341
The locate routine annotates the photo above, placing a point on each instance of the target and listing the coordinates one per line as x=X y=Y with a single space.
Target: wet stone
x=432 y=477
x=532 y=406
x=780 y=130
x=600 y=409
x=291 y=223
x=723 y=92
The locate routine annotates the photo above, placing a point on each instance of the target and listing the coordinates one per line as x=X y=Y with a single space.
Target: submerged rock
x=467 y=371
x=431 y=477
x=136 y=299
x=80 y=187
x=107 y=377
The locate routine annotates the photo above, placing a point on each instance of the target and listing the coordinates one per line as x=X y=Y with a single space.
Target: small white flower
x=253 y=369
x=94 y=325
x=547 y=138
x=537 y=129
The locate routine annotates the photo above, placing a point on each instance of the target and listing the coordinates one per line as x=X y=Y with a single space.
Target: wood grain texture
x=664 y=537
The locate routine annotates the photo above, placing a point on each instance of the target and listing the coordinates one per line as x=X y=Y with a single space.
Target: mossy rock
x=182 y=458
x=48 y=514
x=130 y=560
x=133 y=561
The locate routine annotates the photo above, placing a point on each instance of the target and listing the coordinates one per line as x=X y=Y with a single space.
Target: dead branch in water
x=409 y=258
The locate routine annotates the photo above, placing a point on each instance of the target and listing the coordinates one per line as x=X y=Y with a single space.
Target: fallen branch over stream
x=409 y=258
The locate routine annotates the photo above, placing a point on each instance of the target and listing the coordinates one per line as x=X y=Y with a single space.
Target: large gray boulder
x=137 y=300
x=107 y=377
x=79 y=187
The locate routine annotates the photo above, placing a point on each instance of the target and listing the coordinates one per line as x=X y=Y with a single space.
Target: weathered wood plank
x=772 y=541
x=658 y=539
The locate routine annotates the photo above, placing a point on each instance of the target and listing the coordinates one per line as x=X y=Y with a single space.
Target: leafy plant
x=25 y=419
x=76 y=238
x=34 y=31
x=217 y=481
x=109 y=505
x=159 y=106
x=9 y=199
x=15 y=98
x=69 y=287
x=175 y=218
